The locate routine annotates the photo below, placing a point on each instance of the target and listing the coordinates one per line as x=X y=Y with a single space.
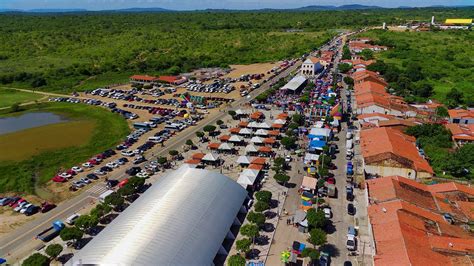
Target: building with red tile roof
x=461 y=116
x=311 y=66
x=387 y=152
x=408 y=227
x=461 y=133
x=143 y=79
x=367 y=75
x=257 y=115
x=175 y=80
x=359 y=46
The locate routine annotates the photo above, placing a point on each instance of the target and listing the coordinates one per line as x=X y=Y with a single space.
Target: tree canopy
x=36 y=259
x=54 y=250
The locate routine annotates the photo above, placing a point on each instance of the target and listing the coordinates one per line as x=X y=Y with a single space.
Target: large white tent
x=245 y=180
x=235 y=138
x=243 y=160
x=256 y=140
x=211 y=157
x=225 y=147
x=182 y=219
x=250 y=148
x=261 y=132
x=245 y=131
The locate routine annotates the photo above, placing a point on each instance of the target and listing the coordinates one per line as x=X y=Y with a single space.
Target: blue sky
x=203 y=4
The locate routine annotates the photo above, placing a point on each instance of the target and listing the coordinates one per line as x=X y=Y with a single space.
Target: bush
x=344 y=68
x=174 y=152
x=71 y=233
x=232 y=113
x=316 y=219
x=54 y=250
x=243 y=245
x=281 y=178
x=36 y=259
x=209 y=128
x=236 y=260
x=163 y=160
x=261 y=206
x=311 y=253
x=317 y=237
x=256 y=218
x=249 y=230
x=264 y=196
x=348 y=80
x=189 y=142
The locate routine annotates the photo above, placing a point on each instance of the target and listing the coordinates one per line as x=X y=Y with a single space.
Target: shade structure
x=243 y=124
x=261 y=132
x=273 y=133
x=269 y=141
x=264 y=125
x=310 y=157
x=258 y=160
x=279 y=121
x=309 y=182
x=317 y=144
x=257 y=140
x=211 y=157
x=181 y=220
x=265 y=149
x=235 y=138
x=250 y=148
x=225 y=147
x=319 y=132
x=256 y=166
x=251 y=172
x=241 y=112
x=243 y=160
x=193 y=161
x=198 y=156
x=245 y=131
x=224 y=138
x=213 y=145
x=245 y=180
x=253 y=125
x=234 y=130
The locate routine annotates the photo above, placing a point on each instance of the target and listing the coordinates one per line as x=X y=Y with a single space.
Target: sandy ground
x=261 y=68
x=9 y=219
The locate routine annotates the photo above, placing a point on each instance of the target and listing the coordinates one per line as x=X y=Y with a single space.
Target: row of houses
x=417 y=224
x=357 y=46
x=314 y=65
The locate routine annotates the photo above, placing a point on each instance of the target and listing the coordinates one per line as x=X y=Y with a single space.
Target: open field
x=23 y=144
x=83 y=51
x=107 y=129
x=446 y=58
x=9 y=97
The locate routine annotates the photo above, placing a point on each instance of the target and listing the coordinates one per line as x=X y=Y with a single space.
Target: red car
x=71 y=172
x=14 y=201
x=123 y=182
x=46 y=206
x=92 y=161
x=59 y=179
x=14 y=205
x=331 y=180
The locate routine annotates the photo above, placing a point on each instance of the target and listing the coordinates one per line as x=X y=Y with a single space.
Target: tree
x=236 y=260
x=249 y=230
x=261 y=206
x=71 y=233
x=441 y=111
x=367 y=54
x=281 y=178
x=288 y=142
x=54 y=250
x=164 y=160
x=174 y=152
x=209 y=128
x=256 y=218
x=36 y=259
x=136 y=182
x=232 y=113
x=101 y=210
x=348 y=80
x=346 y=53
x=263 y=195
x=317 y=237
x=243 y=245
x=298 y=119
x=316 y=219
x=311 y=253
x=15 y=107
x=126 y=190
x=219 y=122
x=114 y=199
x=86 y=222
x=344 y=68
x=189 y=142
x=38 y=82
x=454 y=98
x=200 y=134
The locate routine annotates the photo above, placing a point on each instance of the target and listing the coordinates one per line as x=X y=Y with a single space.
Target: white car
x=327 y=213
x=288 y=158
x=112 y=165
x=127 y=153
x=87 y=165
x=20 y=206
x=77 y=169
x=351 y=242
x=143 y=174
x=65 y=175
x=137 y=151
x=99 y=172
x=23 y=209
x=85 y=180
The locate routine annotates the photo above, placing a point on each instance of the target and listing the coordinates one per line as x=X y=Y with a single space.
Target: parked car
x=25 y=207
x=327 y=213
x=46 y=206
x=33 y=209
x=78 y=184
x=65 y=175
x=77 y=169
x=59 y=179
x=351 y=210
x=324 y=259
x=351 y=243
x=92 y=176
x=20 y=206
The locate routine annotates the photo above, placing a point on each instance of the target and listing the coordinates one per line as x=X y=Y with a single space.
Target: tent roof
x=225 y=146
x=246 y=180
x=309 y=182
x=294 y=83
x=245 y=131
x=235 y=138
x=212 y=157
x=250 y=148
x=326 y=132
x=256 y=140
x=264 y=125
x=253 y=124
x=180 y=220
x=243 y=160
x=251 y=172
x=261 y=132
x=280 y=121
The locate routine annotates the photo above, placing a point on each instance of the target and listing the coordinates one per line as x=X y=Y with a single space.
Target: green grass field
x=100 y=130
x=446 y=57
x=8 y=97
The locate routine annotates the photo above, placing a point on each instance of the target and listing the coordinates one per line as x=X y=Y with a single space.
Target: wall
x=389 y=171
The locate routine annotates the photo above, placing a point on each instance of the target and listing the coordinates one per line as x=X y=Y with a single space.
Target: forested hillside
x=65 y=52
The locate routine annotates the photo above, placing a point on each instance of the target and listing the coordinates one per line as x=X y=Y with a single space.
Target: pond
x=29 y=120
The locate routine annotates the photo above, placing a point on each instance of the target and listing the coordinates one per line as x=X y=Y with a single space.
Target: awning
x=309 y=182
x=243 y=160
x=245 y=180
x=235 y=138
x=251 y=172
x=250 y=148
x=280 y=121
x=211 y=157
x=317 y=144
x=309 y=157
x=264 y=125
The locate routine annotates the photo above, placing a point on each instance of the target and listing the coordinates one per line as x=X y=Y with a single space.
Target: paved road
x=13 y=244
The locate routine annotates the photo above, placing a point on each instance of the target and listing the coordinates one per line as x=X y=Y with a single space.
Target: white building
x=311 y=66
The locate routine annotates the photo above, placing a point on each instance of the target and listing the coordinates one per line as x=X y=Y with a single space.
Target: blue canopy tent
x=317 y=144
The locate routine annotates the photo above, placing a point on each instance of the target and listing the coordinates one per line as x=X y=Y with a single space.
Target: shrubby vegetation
x=436 y=142
x=421 y=65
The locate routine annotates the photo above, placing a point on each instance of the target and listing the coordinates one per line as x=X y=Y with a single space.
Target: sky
x=216 y=4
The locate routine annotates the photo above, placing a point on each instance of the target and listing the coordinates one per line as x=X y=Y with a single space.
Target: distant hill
x=56 y=10
x=343 y=7
x=139 y=9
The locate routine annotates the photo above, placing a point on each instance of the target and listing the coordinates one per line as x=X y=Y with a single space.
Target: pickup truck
x=51 y=232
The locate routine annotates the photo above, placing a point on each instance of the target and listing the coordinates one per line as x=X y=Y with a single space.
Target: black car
x=92 y=176
x=139 y=160
x=123 y=159
x=351 y=210
x=349 y=196
x=133 y=171
x=106 y=169
x=32 y=210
